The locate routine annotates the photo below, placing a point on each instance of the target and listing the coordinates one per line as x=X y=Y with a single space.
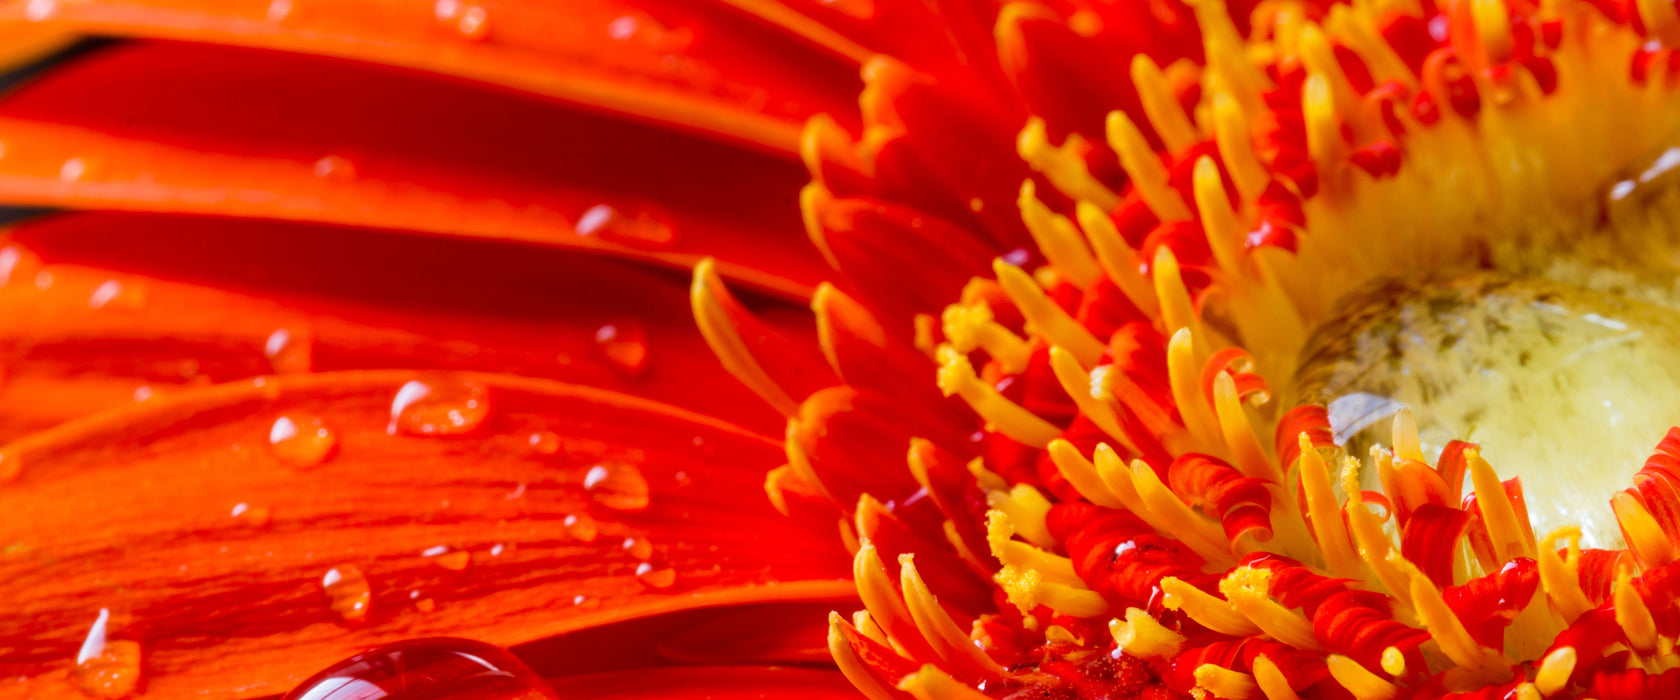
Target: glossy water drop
x=581 y=528
x=40 y=10
x=623 y=345
x=335 y=168
x=543 y=442
x=72 y=170
x=638 y=547
x=646 y=226
x=252 y=516
x=302 y=440
x=655 y=575
x=438 y=408
x=17 y=264
x=348 y=592
x=453 y=560
x=427 y=669
x=617 y=485
x=106 y=668
x=641 y=28
x=279 y=10
x=422 y=603
x=288 y=351
x=474 y=22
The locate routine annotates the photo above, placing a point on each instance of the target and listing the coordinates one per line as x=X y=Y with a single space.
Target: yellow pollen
x=1271 y=680
x=940 y=631
x=1393 y=662
x=708 y=296
x=1161 y=105
x=1045 y=317
x=1026 y=509
x=1645 y=538
x=850 y=665
x=1064 y=166
x=1225 y=683
x=1029 y=588
x=1248 y=591
x=1122 y=264
x=1057 y=238
x=956 y=376
x=1081 y=473
x=1198 y=533
x=1634 y=617
x=930 y=683
x=1555 y=670
x=999 y=536
x=1143 y=166
x=971 y=326
x=1560 y=578
x=1094 y=402
x=1328 y=527
x=1143 y=636
x=1511 y=537
x=1210 y=612
x=1360 y=681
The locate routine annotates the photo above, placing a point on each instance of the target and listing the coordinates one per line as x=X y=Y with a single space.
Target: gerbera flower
x=1154 y=346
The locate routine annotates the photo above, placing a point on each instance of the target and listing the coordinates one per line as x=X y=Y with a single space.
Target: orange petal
x=239 y=571
x=238 y=132
x=164 y=303
x=681 y=63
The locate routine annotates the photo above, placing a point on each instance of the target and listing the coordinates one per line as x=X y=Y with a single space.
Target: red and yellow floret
x=1144 y=508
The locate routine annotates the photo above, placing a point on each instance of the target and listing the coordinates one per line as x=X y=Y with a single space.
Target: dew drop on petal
x=335 y=168
x=17 y=264
x=638 y=547
x=301 y=440
x=422 y=603
x=543 y=442
x=623 y=345
x=417 y=669
x=106 y=668
x=72 y=170
x=348 y=592
x=581 y=528
x=40 y=10
x=617 y=485
x=646 y=226
x=474 y=22
x=655 y=575
x=279 y=10
x=438 y=408
x=289 y=350
x=453 y=560
x=251 y=516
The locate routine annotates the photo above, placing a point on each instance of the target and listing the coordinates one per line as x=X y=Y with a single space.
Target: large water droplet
x=289 y=350
x=617 y=485
x=623 y=345
x=301 y=440
x=438 y=408
x=427 y=669
x=645 y=226
x=17 y=264
x=106 y=668
x=348 y=592
x=656 y=575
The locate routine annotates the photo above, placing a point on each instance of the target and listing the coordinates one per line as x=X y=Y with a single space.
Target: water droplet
x=144 y=393
x=17 y=263
x=455 y=560
x=543 y=442
x=639 y=548
x=40 y=10
x=497 y=550
x=474 y=22
x=643 y=29
x=439 y=667
x=115 y=293
x=624 y=345
x=581 y=528
x=43 y=280
x=301 y=440
x=617 y=486
x=279 y=10
x=335 y=168
x=683 y=479
x=656 y=576
x=446 y=10
x=73 y=169
x=106 y=668
x=254 y=516
x=643 y=227
x=348 y=593
x=438 y=408
x=289 y=351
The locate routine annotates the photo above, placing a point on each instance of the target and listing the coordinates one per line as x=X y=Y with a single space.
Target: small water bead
x=302 y=440
x=543 y=442
x=638 y=547
x=348 y=592
x=73 y=170
x=253 y=516
x=438 y=408
x=624 y=345
x=655 y=575
x=334 y=167
x=581 y=528
x=422 y=603
x=474 y=22
x=453 y=560
x=279 y=10
x=289 y=351
x=617 y=485
x=427 y=669
x=40 y=10
x=644 y=227
x=643 y=29
x=17 y=264
x=106 y=668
